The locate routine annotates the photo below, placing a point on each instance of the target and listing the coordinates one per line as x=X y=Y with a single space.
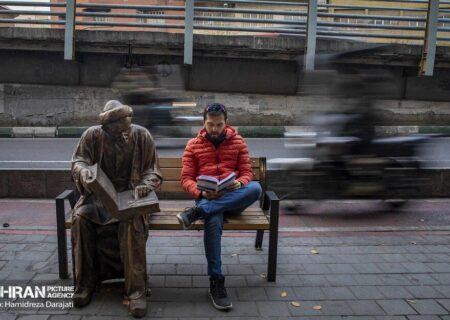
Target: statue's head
x=116 y=118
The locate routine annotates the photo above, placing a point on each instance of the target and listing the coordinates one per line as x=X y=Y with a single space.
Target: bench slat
x=175 y=174
x=172 y=186
x=166 y=220
x=238 y=223
x=176 y=162
x=228 y=218
x=251 y=210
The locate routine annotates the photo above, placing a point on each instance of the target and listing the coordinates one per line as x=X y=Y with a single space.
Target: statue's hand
x=141 y=191
x=85 y=175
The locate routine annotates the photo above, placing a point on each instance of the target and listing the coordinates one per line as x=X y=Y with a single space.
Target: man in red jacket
x=217 y=151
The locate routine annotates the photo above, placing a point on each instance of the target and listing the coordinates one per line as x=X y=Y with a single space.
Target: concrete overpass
x=257 y=64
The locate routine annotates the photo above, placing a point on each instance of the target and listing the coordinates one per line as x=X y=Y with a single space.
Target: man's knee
x=254 y=190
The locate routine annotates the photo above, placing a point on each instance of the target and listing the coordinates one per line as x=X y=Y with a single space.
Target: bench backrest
x=171 y=169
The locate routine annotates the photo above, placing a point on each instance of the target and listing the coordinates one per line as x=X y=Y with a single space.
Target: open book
x=121 y=205
x=208 y=183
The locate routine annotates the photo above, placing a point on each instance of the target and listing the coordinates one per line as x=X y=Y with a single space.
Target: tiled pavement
x=384 y=275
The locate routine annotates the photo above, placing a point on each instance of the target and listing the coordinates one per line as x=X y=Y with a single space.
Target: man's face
x=120 y=128
x=214 y=124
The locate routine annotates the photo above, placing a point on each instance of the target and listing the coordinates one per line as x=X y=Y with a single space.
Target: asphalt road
x=28 y=153
x=41 y=153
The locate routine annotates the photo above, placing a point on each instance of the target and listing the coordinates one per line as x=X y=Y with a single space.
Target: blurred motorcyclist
x=140 y=88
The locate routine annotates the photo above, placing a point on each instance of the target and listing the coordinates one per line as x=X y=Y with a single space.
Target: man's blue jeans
x=231 y=203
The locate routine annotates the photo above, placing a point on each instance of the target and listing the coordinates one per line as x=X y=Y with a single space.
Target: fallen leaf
x=125 y=302
x=411 y=301
x=314 y=251
x=263 y=275
x=295 y=304
x=317 y=307
x=284 y=294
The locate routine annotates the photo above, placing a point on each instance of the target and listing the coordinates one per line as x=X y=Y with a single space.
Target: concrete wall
x=48 y=105
x=50 y=183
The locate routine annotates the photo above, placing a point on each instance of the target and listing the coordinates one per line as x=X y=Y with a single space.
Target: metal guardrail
x=311 y=18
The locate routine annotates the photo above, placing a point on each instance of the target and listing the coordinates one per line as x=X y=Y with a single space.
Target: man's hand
x=85 y=175
x=211 y=195
x=236 y=185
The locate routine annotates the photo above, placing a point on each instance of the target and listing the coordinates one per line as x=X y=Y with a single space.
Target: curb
x=261 y=132
x=5 y=132
x=434 y=129
x=23 y=132
x=69 y=132
x=189 y=132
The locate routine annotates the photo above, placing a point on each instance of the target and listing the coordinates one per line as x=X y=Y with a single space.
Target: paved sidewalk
x=384 y=275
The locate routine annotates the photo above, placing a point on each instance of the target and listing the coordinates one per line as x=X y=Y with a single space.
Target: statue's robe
x=103 y=247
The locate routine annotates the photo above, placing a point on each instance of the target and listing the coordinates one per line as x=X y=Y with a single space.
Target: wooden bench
x=264 y=217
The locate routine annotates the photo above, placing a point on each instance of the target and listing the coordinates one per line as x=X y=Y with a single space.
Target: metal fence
x=396 y=21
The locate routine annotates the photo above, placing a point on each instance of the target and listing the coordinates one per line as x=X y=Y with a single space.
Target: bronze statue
x=103 y=247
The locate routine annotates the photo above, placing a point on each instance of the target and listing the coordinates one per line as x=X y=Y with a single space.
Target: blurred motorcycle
x=153 y=103
x=341 y=156
x=352 y=167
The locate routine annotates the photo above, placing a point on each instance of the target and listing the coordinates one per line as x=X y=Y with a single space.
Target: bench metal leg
x=259 y=239
x=61 y=231
x=74 y=275
x=274 y=205
x=62 y=242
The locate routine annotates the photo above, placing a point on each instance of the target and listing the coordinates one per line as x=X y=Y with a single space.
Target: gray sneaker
x=218 y=294
x=188 y=217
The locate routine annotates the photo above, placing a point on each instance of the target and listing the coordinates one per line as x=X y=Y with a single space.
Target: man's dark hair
x=214 y=109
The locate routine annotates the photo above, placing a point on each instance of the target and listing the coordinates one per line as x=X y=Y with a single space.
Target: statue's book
x=121 y=205
x=208 y=183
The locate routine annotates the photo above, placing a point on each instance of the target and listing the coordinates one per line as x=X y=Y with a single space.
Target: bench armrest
x=60 y=208
x=67 y=195
x=269 y=198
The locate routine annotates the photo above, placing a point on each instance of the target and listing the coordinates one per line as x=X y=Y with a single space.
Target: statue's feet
x=82 y=297
x=138 y=307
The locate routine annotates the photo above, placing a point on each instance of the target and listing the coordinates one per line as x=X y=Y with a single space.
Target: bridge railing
x=396 y=21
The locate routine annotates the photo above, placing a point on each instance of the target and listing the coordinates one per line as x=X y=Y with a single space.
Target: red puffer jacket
x=200 y=157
